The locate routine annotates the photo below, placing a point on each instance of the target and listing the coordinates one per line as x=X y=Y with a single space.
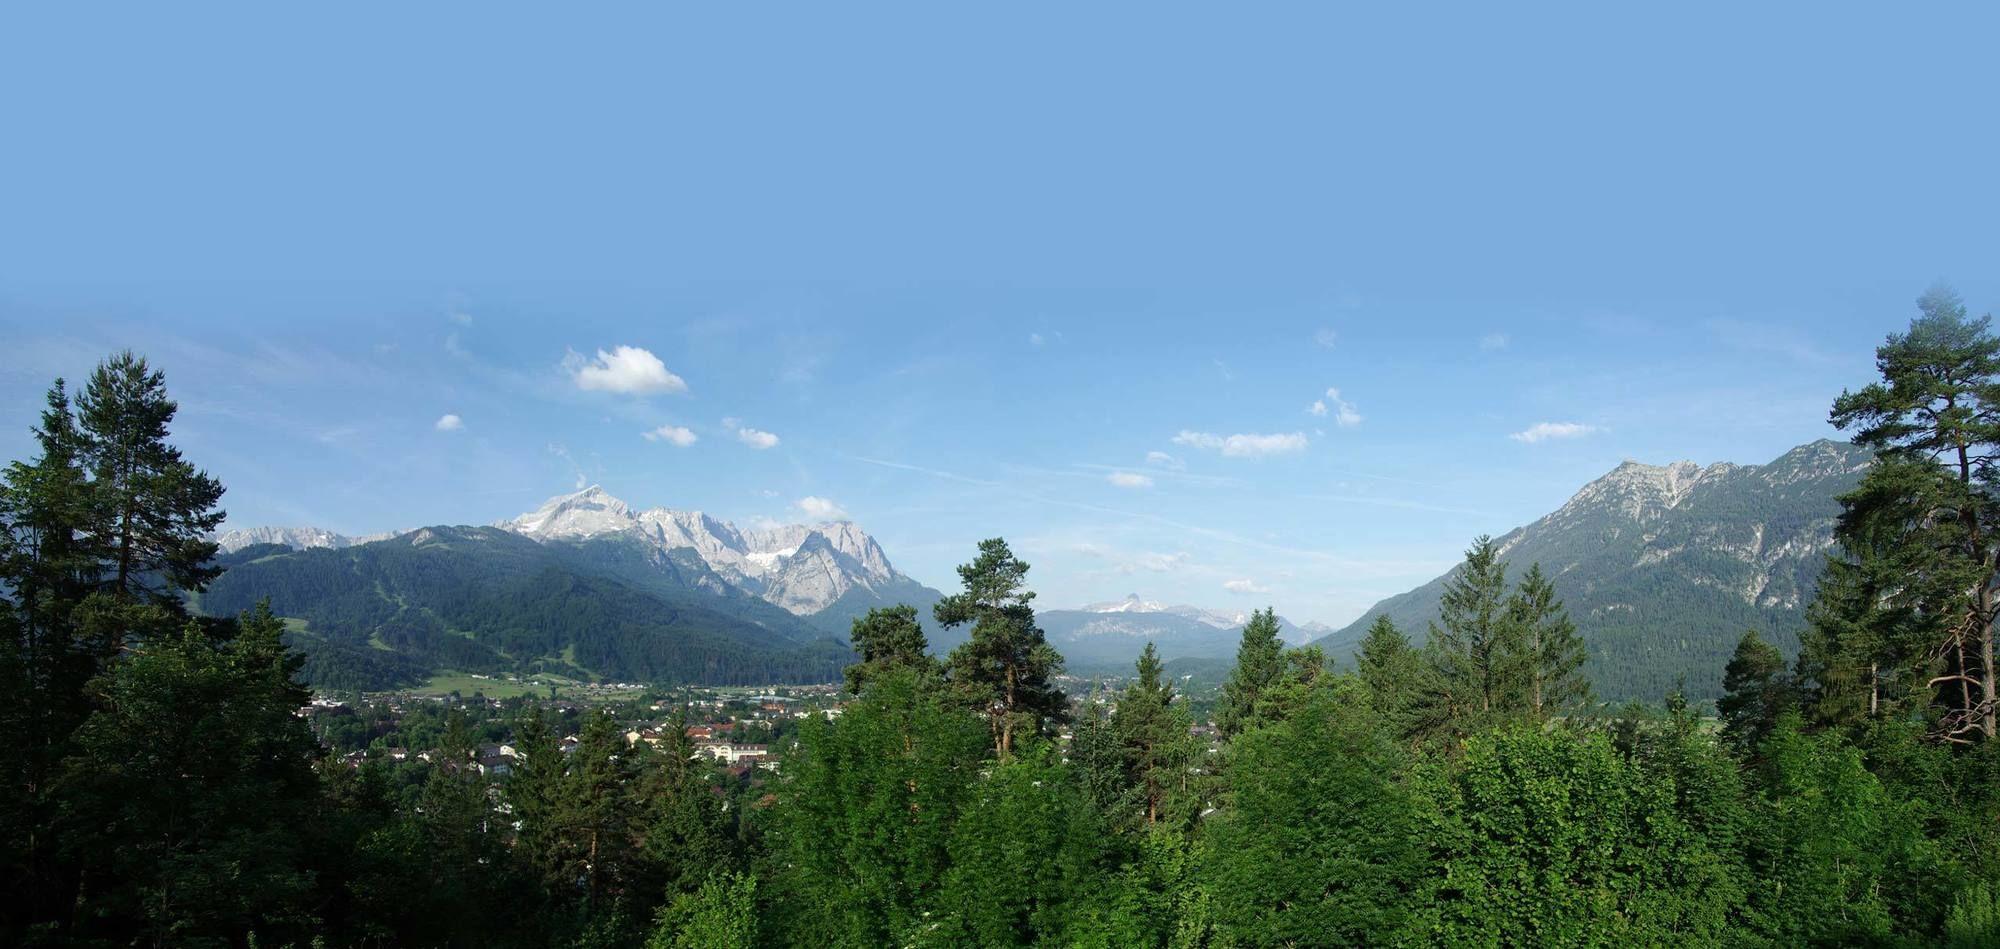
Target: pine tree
x=1926 y=513
x=1154 y=734
x=186 y=791
x=888 y=637
x=1006 y=669
x=1260 y=661
x=687 y=836
x=157 y=508
x=1754 y=693
x=1550 y=654
x=49 y=563
x=1472 y=647
x=1394 y=673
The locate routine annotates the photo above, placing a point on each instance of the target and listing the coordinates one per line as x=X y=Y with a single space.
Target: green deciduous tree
x=1545 y=838
x=866 y=812
x=1024 y=855
x=722 y=914
x=1320 y=845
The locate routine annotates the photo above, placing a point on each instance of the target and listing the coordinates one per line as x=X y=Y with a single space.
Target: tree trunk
x=1986 y=683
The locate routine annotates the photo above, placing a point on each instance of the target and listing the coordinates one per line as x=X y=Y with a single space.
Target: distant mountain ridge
x=679 y=595
x=296 y=538
x=481 y=599
x=828 y=573
x=1663 y=567
x=1108 y=636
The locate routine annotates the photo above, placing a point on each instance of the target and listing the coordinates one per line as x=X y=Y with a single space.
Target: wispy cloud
x=755 y=438
x=1160 y=459
x=1368 y=566
x=560 y=450
x=449 y=423
x=1122 y=562
x=1545 y=431
x=1243 y=445
x=1493 y=341
x=1394 y=502
x=1244 y=585
x=1344 y=413
x=1772 y=340
x=1326 y=338
x=677 y=435
x=1129 y=479
x=627 y=370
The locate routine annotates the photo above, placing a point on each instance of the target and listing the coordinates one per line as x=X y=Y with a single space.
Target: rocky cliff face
x=803 y=568
x=1664 y=566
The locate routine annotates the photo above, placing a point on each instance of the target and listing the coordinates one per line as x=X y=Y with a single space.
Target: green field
x=466 y=685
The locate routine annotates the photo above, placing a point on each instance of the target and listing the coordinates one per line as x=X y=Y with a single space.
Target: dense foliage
x=161 y=787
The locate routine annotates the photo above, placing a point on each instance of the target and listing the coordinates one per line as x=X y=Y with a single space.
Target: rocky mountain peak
x=586 y=513
x=802 y=568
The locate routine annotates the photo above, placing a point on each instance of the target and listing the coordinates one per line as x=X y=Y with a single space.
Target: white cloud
x=1164 y=460
x=1344 y=413
x=1326 y=337
x=1244 y=586
x=1129 y=479
x=625 y=369
x=1163 y=563
x=1035 y=339
x=449 y=423
x=1543 y=431
x=820 y=508
x=756 y=439
x=461 y=317
x=677 y=435
x=1493 y=341
x=1247 y=445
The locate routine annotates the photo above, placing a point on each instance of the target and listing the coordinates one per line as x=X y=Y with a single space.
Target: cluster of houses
x=709 y=742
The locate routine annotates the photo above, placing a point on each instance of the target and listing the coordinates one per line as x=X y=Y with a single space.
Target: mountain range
x=584 y=586
x=1663 y=567
x=1106 y=637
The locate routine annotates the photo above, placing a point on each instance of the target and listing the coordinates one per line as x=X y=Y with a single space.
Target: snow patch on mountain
x=803 y=568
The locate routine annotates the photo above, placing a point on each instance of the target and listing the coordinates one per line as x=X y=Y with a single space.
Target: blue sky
x=973 y=269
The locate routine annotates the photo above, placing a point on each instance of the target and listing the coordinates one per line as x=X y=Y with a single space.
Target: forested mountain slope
x=482 y=599
x=1663 y=567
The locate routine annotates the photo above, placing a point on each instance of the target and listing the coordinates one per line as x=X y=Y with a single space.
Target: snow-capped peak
x=800 y=567
x=1130 y=604
x=583 y=514
x=1220 y=619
